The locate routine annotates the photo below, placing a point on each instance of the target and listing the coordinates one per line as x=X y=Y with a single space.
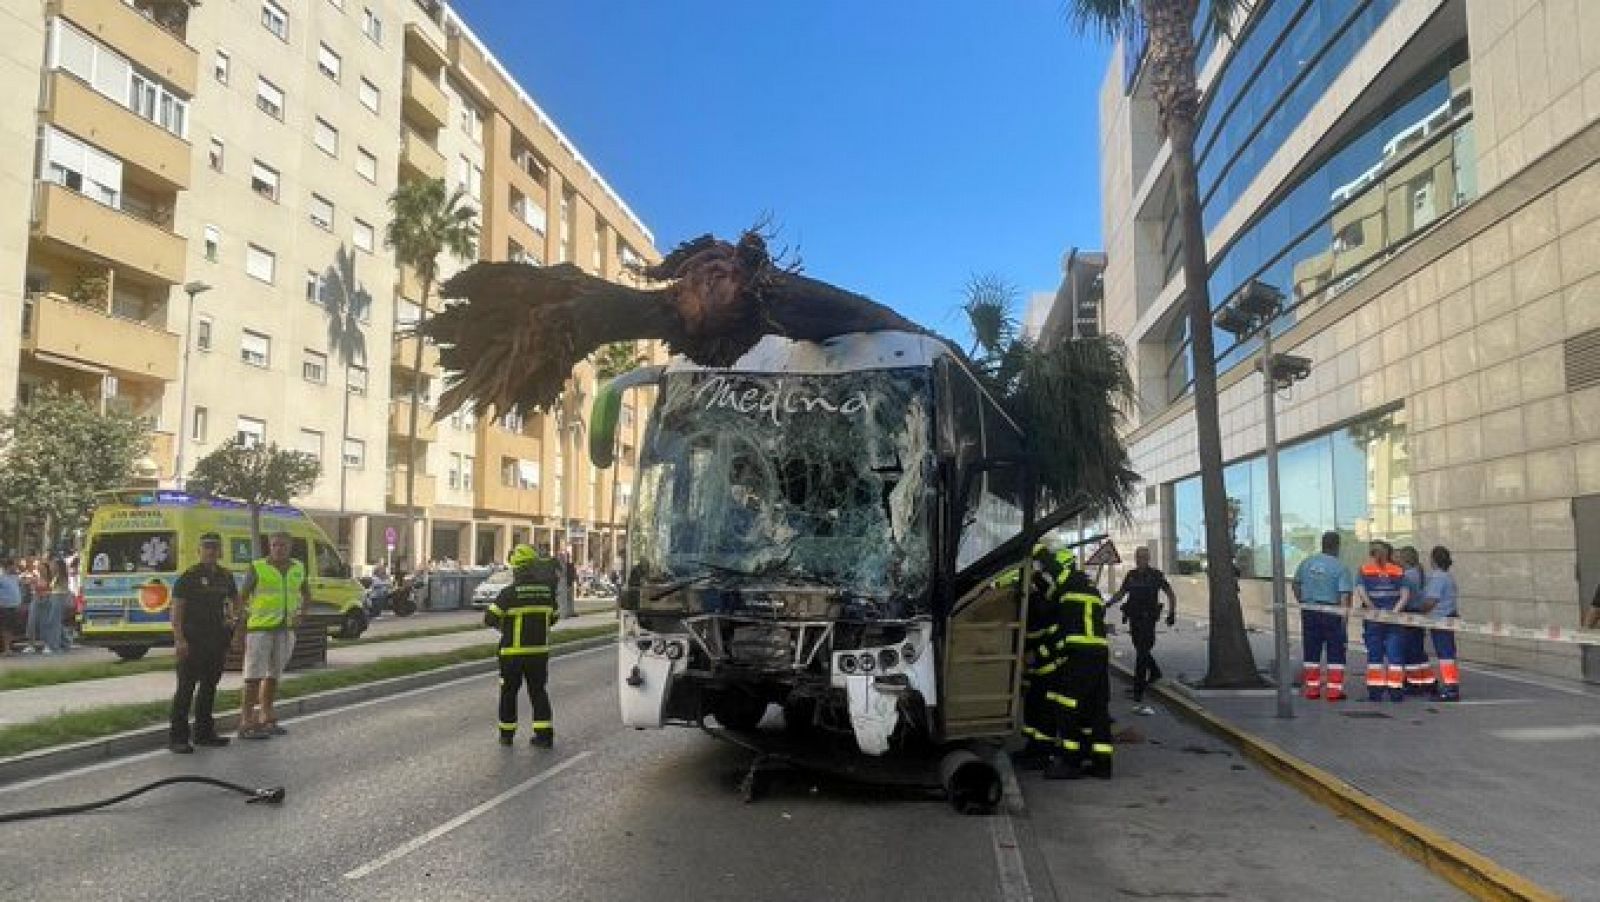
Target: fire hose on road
x=271 y=794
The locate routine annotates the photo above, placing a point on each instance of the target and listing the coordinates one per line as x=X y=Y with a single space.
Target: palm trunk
x=411 y=434
x=1229 y=660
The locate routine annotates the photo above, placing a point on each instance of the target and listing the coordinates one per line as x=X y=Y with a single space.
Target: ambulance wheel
x=131 y=652
x=353 y=625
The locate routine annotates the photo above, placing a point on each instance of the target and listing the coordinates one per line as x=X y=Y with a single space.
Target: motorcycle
x=399 y=597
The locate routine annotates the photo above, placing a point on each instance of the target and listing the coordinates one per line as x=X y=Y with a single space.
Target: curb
x=1469 y=871
x=43 y=762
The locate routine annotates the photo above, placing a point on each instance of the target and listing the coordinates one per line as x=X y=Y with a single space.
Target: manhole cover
x=1370 y=715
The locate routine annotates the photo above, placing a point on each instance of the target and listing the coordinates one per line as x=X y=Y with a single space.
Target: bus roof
x=852 y=352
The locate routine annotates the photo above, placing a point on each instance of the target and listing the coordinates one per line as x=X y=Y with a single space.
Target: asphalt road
x=410 y=798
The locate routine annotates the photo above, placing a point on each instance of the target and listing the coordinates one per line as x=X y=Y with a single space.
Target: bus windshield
x=778 y=478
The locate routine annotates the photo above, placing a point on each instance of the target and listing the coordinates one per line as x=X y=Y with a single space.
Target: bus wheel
x=131 y=652
x=736 y=710
x=353 y=625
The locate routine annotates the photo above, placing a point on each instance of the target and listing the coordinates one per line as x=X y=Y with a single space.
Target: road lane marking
x=462 y=819
x=328 y=712
x=1530 y=681
x=1549 y=734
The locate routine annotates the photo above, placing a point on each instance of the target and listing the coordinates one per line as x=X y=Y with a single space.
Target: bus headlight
x=888 y=658
x=847 y=664
x=674 y=651
x=868 y=663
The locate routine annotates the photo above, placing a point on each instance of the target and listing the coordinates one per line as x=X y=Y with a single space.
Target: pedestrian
x=204 y=606
x=34 y=593
x=1382 y=586
x=524 y=612
x=1439 y=601
x=1419 y=670
x=47 y=610
x=1142 y=587
x=276 y=595
x=567 y=591
x=1322 y=581
x=11 y=622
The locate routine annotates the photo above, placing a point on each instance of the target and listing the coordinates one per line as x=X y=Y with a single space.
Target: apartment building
x=205 y=249
x=1418 y=179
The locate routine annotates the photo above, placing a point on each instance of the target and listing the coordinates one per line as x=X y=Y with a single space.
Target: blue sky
x=899 y=145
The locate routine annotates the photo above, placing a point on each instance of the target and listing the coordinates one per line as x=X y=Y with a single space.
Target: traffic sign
x=1105 y=554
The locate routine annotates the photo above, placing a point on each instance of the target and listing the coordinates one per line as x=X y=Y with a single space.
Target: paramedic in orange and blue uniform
x=1382 y=585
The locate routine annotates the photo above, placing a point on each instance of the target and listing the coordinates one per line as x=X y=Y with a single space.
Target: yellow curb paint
x=1467 y=870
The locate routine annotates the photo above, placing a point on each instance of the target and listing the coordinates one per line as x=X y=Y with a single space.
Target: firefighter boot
x=1062 y=768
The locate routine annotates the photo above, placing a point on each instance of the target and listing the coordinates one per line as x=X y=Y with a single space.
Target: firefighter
x=523 y=612
x=1046 y=708
x=1085 y=657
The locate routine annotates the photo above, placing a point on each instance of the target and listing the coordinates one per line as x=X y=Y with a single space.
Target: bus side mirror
x=608 y=408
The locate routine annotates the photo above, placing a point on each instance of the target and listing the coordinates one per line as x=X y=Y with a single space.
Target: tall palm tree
x=347 y=304
x=427 y=219
x=1169 y=65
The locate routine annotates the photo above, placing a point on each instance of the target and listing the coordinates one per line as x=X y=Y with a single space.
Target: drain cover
x=1369 y=715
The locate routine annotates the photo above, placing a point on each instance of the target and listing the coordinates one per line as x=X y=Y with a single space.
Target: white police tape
x=1456 y=624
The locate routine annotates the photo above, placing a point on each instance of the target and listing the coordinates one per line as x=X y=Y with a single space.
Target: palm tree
x=1169 y=65
x=347 y=303
x=427 y=219
x=1070 y=396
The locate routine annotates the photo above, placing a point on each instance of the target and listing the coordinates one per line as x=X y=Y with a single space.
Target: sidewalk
x=1510 y=771
x=18 y=706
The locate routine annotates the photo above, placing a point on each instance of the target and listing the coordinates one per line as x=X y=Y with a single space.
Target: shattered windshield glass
x=821 y=479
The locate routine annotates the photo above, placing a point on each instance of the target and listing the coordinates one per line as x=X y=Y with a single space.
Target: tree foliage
x=257 y=475
x=57 y=450
x=1071 y=398
x=617 y=358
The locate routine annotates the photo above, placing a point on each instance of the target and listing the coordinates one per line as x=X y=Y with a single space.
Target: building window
x=250 y=431
x=466 y=474
x=313 y=287
x=472 y=122
x=366 y=165
x=315 y=367
x=269 y=98
x=311 y=443
x=369 y=94
x=371 y=25
x=275 y=20
x=217 y=153
x=213 y=242
x=149 y=99
x=355 y=453
x=264 y=180
x=326 y=137
x=221 y=67
x=454 y=480
x=356 y=380
x=261 y=263
x=202 y=333
x=364 y=238
x=114 y=77
x=513 y=421
x=255 y=349
x=197 y=424
x=321 y=212
x=328 y=62
x=73 y=164
x=508 y=472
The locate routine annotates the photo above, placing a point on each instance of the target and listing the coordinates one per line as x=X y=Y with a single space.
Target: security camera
x=1287 y=369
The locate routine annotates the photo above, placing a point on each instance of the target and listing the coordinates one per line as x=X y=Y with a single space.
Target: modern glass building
x=1418 y=179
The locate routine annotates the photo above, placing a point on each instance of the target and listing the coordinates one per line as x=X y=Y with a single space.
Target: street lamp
x=1252 y=309
x=192 y=289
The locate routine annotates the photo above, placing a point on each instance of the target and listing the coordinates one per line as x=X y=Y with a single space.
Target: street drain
x=1369 y=715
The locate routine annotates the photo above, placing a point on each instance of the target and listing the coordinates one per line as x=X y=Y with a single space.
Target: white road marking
x=462 y=819
x=1014 y=886
x=340 y=709
x=1549 y=734
x=1486 y=702
x=1531 y=681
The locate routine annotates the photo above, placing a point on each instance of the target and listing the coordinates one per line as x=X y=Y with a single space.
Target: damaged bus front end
x=791 y=541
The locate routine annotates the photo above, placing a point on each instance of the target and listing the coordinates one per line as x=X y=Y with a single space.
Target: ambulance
x=140 y=540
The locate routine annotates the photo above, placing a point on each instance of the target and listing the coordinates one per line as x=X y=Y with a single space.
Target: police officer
x=523 y=612
x=1141 y=587
x=204 y=604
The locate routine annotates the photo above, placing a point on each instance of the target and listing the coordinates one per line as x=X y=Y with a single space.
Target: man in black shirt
x=1141 y=587
x=204 y=601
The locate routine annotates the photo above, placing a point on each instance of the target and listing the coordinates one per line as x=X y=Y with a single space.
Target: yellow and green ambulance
x=140 y=540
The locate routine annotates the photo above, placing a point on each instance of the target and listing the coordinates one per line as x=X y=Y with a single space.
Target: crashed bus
x=816 y=527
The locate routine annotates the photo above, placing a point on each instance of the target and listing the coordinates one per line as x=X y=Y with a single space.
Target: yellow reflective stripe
x=509 y=652
x=494 y=608
x=1083 y=598
x=1040 y=634
x=1031 y=733
x=542 y=725
x=509 y=727
x=529 y=609
x=1046 y=669
x=1070 y=745
x=1060 y=699
x=1100 y=748
x=1086 y=640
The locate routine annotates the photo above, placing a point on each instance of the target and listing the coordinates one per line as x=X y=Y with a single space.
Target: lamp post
x=192 y=289
x=1252 y=309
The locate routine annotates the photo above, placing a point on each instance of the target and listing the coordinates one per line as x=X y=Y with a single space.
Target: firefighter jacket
x=525 y=610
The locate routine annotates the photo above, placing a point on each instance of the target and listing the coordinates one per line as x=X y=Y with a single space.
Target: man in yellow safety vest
x=276 y=596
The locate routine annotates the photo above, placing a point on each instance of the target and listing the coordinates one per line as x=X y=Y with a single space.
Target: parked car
x=486 y=591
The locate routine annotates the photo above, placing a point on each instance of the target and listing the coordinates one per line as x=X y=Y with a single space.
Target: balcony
x=424 y=489
x=57 y=327
x=418 y=158
x=136 y=37
x=65 y=216
x=400 y=420
x=422 y=47
x=83 y=111
x=424 y=102
x=405 y=356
